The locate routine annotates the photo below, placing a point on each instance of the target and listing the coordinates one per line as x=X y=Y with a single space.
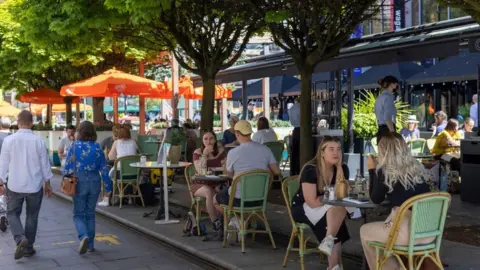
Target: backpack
x=190 y=227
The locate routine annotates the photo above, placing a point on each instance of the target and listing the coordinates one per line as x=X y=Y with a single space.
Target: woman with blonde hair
x=327 y=222
x=397 y=176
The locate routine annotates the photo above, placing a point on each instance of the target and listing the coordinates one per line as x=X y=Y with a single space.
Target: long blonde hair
x=398 y=164
x=319 y=164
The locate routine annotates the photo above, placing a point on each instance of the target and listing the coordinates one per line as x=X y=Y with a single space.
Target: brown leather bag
x=69 y=184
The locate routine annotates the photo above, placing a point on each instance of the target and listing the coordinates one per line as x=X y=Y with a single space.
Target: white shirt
x=264 y=135
x=473 y=114
x=294 y=115
x=24 y=158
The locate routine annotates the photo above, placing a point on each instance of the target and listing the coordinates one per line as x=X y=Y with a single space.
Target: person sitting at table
x=440 y=123
x=447 y=145
x=229 y=137
x=191 y=136
x=123 y=146
x=247 y=156
x=410 y=132
x=395 y=176
x=264 y=133
x=107 y=143
x=468 y=125
x=212 y=154
x=326 y=221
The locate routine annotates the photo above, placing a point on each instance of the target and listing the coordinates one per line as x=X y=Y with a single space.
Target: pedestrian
x=86 y=160
x=385 y=110
x=474 y=111
x=294 y=116
x=27 y=184
x=4 y=129
x=66 y=143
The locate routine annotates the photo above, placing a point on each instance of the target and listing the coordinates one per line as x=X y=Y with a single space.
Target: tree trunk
x=208 y=102
x=48 y=121
x=68 y=110
x=306 y=150
x=98 y=117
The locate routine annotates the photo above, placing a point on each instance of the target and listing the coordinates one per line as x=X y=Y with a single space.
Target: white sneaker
x=233 y=225
x=336 y=267
x=327 y=245
x=104 y=202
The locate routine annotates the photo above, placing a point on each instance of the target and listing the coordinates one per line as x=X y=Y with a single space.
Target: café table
x=364 y=207
x=213 y=179
x=163 y=207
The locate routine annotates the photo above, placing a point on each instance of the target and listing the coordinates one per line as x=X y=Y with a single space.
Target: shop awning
x=278 y=86
x=402 y=71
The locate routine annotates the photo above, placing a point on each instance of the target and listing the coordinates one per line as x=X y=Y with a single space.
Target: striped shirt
x=385 y=108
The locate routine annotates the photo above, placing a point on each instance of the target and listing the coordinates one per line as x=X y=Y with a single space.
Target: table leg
x=364 y=260
x=166 y=211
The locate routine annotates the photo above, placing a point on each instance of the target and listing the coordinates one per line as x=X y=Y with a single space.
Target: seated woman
x=213 y=155
x=396 y=176
x=447 y=145
x=264 y=133
x=229 y=137
x=123 y=146
x=411 y=132
x=327 y=222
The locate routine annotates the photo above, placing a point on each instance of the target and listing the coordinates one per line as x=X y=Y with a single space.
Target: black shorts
x=320 y=229
x=223 y=198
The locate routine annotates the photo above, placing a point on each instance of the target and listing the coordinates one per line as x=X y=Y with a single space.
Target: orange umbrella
x=113 y=83
x=8 y=110
x=44 y=96
x=58 y=108
x=188 y=91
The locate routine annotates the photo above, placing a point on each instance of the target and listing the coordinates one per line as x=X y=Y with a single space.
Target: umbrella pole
x=77 y=113
x=115 y=110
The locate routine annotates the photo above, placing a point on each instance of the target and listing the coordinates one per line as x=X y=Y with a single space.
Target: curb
x=159 y=237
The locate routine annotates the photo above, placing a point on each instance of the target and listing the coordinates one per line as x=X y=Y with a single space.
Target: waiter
x=385 y=110
x=294 y=116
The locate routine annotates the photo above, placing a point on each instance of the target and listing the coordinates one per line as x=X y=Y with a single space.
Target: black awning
x=402 y=71
x=278 y=85
x=462 y=67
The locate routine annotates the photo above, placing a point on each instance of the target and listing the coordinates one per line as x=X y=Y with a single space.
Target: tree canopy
x=311 y=31
x=471 y=7
x=205 y=36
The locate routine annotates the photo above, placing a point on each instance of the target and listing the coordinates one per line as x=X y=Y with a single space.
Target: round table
x=211 y=178
x=163 y=207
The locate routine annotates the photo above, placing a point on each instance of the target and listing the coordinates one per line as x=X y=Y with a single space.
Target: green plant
x=159 y=125
x=177 y=136
x=364 y=120
x=464 y=110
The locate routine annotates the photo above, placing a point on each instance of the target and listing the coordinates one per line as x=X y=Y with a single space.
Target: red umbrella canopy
x=113 y=83
x=44 y=96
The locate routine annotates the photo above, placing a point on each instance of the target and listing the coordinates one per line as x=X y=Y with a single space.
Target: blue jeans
x=84 y=203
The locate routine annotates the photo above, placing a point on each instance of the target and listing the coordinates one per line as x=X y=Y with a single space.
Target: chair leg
x=301 y=249
x=267 y=227
x=198 y=215
x=243 y=232
x=114 y=187
x=225 y=227
x=140 y=192
x=410 y=262
x=121 y=193
x=290 y=244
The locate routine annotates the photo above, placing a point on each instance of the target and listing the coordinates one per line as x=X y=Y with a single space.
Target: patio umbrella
x=6 y=109
x=113 y=83
x=188 y=91
x=58 y=108
x=44 y=96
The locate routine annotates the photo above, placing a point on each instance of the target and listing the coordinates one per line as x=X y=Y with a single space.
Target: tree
x=205 y=35
x=312 y=31
x=59 y=42
x=471 y=7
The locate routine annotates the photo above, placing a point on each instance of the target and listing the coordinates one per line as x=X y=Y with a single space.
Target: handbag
x=69 y=184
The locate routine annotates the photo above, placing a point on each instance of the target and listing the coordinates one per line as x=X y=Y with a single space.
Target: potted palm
x=177 y=139
x=365 y=125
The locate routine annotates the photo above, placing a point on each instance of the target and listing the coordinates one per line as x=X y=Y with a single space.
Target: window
x=457 y=13
x=430 y=11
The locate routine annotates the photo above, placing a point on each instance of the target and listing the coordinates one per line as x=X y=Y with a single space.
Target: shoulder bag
x=69 y=184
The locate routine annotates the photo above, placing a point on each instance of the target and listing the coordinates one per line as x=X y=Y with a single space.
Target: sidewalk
x=260 y=255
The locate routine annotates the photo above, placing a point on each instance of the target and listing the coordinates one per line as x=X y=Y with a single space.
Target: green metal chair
x=277 y=150
x=144 y=147
x=417 y=146
x=124 y=176
x=290 y=187
x=427 y=219
x=196 y=201
x=255 y=185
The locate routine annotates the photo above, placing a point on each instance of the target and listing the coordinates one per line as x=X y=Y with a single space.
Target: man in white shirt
x=474 y=110
x=24 y=159
x=65 y=143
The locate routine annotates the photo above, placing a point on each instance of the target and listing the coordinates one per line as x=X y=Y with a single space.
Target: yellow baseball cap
x=244 y=127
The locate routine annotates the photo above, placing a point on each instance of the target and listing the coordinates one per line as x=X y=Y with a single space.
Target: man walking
x=65 y=143
x=24 y=159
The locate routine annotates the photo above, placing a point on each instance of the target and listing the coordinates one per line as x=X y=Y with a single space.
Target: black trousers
x=383 y=131
x=295 y=152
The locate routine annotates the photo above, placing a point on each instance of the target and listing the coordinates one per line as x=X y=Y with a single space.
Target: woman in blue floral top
x=90 y=166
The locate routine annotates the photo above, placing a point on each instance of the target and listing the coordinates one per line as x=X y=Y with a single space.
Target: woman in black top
x=397 y=176
x=327 y=222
